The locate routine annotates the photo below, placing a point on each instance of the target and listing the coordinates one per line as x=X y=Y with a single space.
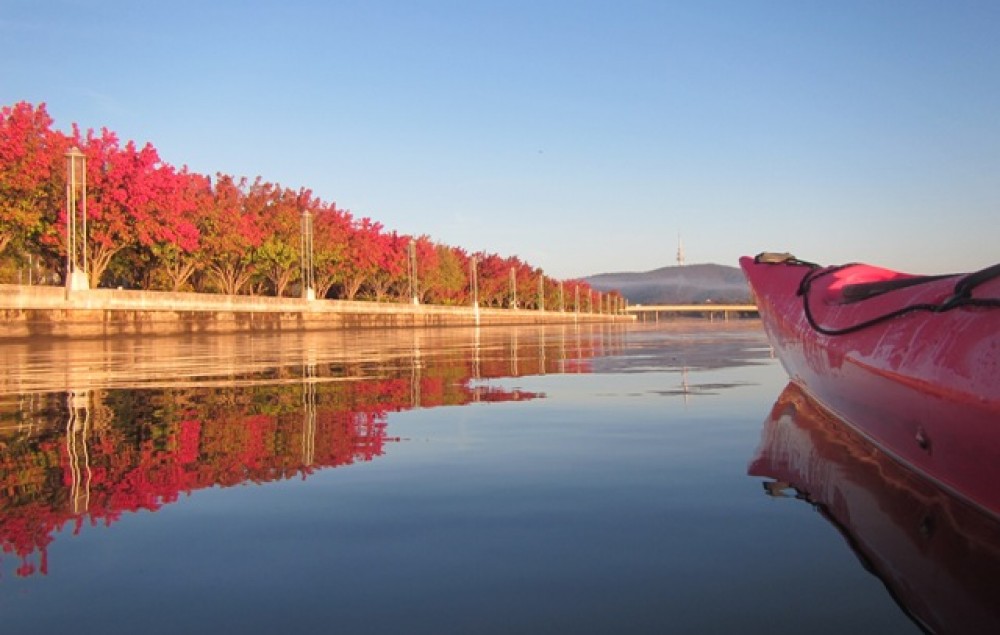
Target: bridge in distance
x=653 y=312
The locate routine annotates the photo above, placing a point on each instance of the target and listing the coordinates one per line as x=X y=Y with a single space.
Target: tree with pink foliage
x=31 y=173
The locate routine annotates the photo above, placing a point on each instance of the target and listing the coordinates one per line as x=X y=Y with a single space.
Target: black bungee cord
x=961 y=295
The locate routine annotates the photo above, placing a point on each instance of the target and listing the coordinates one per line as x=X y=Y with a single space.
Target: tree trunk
x=98 y=262
x=351 y=286
x=231 y=278
x=180 y=273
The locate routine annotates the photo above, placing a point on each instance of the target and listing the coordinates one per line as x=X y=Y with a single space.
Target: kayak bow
x=912 y=362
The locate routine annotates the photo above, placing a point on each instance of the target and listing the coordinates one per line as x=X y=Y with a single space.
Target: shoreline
x=53 y=312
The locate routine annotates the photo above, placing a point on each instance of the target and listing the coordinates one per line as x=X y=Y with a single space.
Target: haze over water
x=578 y=479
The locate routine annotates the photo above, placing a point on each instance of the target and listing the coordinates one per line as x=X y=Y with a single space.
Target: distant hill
x=690 y=284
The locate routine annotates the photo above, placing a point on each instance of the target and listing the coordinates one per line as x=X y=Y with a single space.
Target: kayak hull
x=924 y=386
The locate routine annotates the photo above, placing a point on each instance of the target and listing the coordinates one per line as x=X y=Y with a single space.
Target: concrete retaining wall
x=35 y=311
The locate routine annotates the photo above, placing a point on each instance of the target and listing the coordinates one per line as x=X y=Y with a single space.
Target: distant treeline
x=153 y=226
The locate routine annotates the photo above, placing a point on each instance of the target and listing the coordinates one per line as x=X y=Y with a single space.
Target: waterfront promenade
x=39 y=311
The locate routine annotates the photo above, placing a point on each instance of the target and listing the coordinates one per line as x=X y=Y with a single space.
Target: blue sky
x=581 y=136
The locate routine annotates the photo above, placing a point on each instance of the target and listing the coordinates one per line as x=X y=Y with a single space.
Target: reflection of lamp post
x=306 y=249
x=77 y=431
x=309 y=411
x=412 y=260
x=76 y=242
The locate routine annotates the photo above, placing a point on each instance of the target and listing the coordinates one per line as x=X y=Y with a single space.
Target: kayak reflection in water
x=938 y=556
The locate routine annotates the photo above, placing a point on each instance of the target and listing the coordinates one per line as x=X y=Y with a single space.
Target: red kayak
x=912 y=362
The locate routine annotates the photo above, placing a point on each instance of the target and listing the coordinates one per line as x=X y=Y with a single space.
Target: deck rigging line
x=961 y=295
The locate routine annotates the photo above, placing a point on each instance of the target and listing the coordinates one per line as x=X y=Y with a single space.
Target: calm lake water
x=591 y=479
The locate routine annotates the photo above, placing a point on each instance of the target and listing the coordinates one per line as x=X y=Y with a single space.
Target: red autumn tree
x=177 y=258
x=330 y=230
x=427 y=260
x=494 y=280
x=578 y=295
x=30 y=178
x=526 y=283
x=133 y=200
x=231 y=233
x=445 y=282
x=278 y=257
x=390 y=254
x=362 y=261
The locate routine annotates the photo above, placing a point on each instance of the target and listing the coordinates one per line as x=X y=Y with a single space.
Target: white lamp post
x=474 y=280
x=76 y=242
x=412 y=260
x=513 y=288
x=306 y=249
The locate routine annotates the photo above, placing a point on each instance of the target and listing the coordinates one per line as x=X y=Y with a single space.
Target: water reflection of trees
x=89 y=456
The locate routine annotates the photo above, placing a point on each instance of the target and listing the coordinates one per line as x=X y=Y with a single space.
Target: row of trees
x=153 y=226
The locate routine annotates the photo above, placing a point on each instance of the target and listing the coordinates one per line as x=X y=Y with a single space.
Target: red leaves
x=30 y=156
x=28 y=146
x=241 y=235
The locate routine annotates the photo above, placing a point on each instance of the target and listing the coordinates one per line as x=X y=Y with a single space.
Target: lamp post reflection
x=77 y=430
x=309 y=412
